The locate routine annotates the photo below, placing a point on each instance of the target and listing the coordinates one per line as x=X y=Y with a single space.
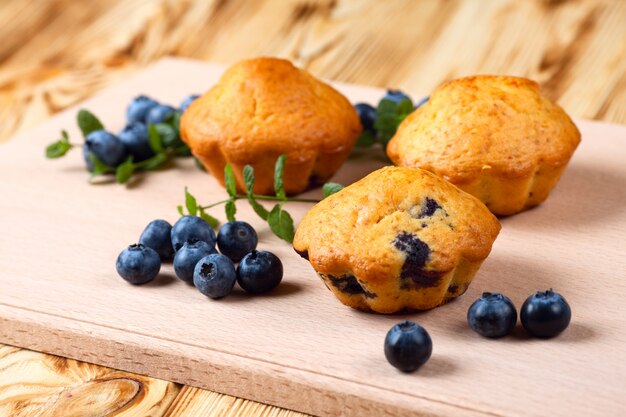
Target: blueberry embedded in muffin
x=397 y=239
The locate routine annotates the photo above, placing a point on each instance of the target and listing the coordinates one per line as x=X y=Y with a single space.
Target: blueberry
x=191 y=229
x=135 y=137
x=187 y=101
x=396 y=96
x=214 y=276
x=236 y=239
x=157 y=235
x=545 y=314
x=367 y=115
x=106 y=147
x=159 y=114
x=408 y=346
x=259 y=272
x=188 y=256
x=138 y=264
x=492 y=315
x=421 y=102
x=138 y=109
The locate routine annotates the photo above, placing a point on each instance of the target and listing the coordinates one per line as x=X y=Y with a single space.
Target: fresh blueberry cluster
x=380 y=123
x=191 y=244
x=149 y=138
x=544 y=314
x=133 y=140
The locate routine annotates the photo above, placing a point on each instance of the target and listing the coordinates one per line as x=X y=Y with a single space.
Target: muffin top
x=396 y=222
x=266 y=106
x=499 y=123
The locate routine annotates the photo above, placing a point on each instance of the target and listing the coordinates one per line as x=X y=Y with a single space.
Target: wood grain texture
x=299 y=348
x=37 y=385
x=58 y=52
x=197 y=402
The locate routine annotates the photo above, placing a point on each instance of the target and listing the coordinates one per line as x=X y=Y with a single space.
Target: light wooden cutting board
x=298 y=347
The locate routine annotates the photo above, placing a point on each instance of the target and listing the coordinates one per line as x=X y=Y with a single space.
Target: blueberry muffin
x=265 y=107
x=398 y=239
x=495 y=137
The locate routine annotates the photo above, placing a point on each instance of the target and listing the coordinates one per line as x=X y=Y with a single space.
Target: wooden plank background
x=55 y=53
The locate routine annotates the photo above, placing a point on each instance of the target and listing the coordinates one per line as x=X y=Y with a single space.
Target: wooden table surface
x=55 y=53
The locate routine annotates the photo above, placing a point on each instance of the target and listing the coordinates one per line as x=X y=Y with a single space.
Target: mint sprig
x=60 y=147
x=278 y=219
x=389 y=115
x=164 y=140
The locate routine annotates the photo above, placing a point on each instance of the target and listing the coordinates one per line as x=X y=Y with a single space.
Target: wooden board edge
x=216 y=371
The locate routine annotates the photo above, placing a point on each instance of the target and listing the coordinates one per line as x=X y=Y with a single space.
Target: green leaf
x=281 y=223
x=181 y=149
x=248 y=178
x=389 y=115
x=168 y=135
x=212 y=221
x=331 y=188
x=199 y=164
x=229 y=180
x=180 y=210
x=99 y=167
x=57 y=149
x=87 y=122
x=405 y=107
x=191 y=203
x=124 y=171
x=152 y=163
x=231 y=209
x=154 y=139
x=279 y=171
x=365 y=140
x=176 y=121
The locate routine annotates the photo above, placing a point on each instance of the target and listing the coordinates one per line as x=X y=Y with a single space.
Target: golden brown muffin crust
x=499 y=123
x=396 y=225
x=265 y=107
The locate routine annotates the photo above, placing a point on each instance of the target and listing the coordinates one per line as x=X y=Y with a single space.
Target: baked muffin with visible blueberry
x=262 y=108
x=496 y=137
x=397 y=239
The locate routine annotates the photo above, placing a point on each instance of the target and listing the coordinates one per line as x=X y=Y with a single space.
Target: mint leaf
x=152 y=163
x=154 y=139
x=229 y=180
x=365 y=139
x=87 y=122
x=167 y=134
x=389 y=115
x=124 y=171
x=279 y=171
x=331 y=188
x=212 y=221
x=199 y=164
x=248 y=178
x=191 y=203
x=281 y=223
x=176 y=121
x=99 y=167
x=180 y=210
x=231 y=209
x=58 y=149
